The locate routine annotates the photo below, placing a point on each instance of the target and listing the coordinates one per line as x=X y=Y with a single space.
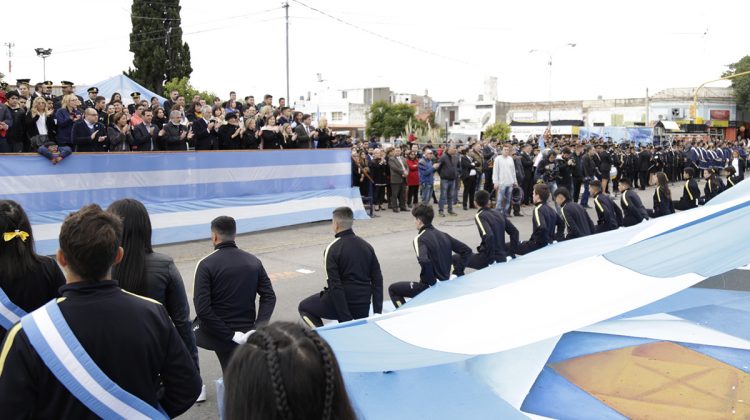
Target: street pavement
x=293 y=258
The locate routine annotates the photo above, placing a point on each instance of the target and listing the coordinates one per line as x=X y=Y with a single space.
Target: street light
x=44 y=53
x=549 y=104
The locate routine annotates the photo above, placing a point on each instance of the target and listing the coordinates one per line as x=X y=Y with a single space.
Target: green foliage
x=386 y=120
x=187 y=90
x=741 y=84
x=425 y=132
x=156 y=43
x=500 y=131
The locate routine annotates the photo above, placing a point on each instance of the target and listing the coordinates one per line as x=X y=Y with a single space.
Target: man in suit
x=6 y=122
x=204 y=131
x=144 y=134
x=91 y=101
x=89 y=135
x=399 y=172
x=644 y=163
x=173 y=135
x=304 y=132
x=528 y=173
x=16 y=135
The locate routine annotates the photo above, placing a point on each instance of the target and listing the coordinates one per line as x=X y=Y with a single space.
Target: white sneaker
x=202 y=396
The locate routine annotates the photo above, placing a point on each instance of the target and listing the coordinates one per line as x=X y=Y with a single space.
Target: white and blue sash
x=9 y=312
x=58 y=347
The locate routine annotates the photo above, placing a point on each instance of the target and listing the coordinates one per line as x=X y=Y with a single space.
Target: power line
x=389 y=39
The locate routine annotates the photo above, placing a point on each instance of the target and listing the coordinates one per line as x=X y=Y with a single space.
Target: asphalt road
x=293 y=257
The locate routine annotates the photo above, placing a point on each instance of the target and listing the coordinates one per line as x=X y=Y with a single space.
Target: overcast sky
x=448 y=48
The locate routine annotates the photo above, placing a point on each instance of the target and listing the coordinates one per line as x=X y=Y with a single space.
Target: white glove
x=239 y=338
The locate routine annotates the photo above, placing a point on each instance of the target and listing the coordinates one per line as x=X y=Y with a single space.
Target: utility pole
x=10 y=46
x=285 y=5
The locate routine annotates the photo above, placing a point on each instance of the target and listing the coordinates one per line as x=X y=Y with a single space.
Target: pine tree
x=156 y=43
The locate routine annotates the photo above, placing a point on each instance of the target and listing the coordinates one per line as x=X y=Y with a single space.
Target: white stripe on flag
x=25 y=184
x=190 y=218
x=63 y=352
x=8 y=314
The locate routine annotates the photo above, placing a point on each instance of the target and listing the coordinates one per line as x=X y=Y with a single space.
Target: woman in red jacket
x=412 y=179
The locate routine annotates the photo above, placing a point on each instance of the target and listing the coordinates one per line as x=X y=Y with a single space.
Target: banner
x=639 y=135
x=184 y=191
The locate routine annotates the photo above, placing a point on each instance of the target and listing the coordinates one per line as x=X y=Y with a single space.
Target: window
x=483 y=106
x=343 y=94
x=337 y=116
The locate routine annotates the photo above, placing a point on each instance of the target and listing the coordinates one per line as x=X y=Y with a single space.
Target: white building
x=345 y=109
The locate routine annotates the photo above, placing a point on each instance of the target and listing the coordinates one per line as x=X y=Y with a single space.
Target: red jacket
x=413 y=177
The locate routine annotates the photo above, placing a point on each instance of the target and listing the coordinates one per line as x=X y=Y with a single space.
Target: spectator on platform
x=270 y=135
x=169 y=103
x=145 y=133
x=160 y=118
x=250 y=137
x=53 y=153
x=40 y=123
x=285 y=372
x=116 y=97
x=290 y=137
x=324 y=135
x=305 y=133
x=137 y=117
x=89 y=135
x=174 y=135
x=65 y=117
x=118 y=134
x=28 y=280
x=205 y=131
x=230 y=134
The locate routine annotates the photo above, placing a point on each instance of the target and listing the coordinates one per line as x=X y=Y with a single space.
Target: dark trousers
x=525 y=247
x=412 y=195
x=528 y=188
x=630 y=220
x=319 y=306
x=398 y=196
x=488 y=186
x=224 y=357
x=643 y=179
x=475 y=261
x=405 y=289
x=379 y=195
x=470 y=187
x=577 y=183
x=684 y=205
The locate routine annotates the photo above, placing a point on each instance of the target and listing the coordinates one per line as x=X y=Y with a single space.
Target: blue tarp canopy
x=121 y=84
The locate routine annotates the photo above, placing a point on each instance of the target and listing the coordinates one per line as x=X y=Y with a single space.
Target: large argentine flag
x=184 y=191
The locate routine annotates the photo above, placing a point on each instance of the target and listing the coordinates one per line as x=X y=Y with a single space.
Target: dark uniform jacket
x=130 y=338
x=435 y=251
x=35 y=288
x=577 y=221
x=546 y=225
x=690 y=194
x=226 y=284
x=662 y=202
x=492 y=227
x=354 y=277
x=712 y=189
x=632 y=208
x=606 y=213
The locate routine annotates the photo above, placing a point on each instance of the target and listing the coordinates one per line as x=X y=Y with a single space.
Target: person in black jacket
x=644 y=163
x=130 y=338
x=434 y=253
x=527 y=162
x=353 y=276
x=577 y=170
x=714 y=186
x=690 y=192
x=145 y=134
x=546 y=225
x=89 y=135
x=662 y=197
x=492 y=226
x=605 y=165
x=173 y=135
x=29 y=280
x=230 y=134
x=226 y=284
x=150 y=274
x=605 y=209
x=633 y=210
x=204 y=131
x=38 y=132
x=577 y=221
x=590 y=173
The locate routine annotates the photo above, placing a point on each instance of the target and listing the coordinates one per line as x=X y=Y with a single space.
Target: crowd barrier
x=184 y=191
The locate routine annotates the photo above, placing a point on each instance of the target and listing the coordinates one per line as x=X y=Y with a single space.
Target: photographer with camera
x=548 y=170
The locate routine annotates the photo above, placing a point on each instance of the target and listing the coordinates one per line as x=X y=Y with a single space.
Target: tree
x=386 y=120
x=741 y=84
x=187 y=90
x=500 y=131
x=156 y=43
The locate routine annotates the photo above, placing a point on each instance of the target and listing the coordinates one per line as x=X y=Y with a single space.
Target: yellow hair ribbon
x=8 y=236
